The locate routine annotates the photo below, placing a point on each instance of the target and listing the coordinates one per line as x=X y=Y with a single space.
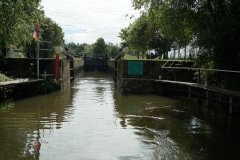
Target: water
x=90 y=120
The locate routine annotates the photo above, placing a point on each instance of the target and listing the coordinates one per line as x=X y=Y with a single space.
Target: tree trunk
x=179 y=53
x=4 y=49
x=142 y=55
x=185 y=52
x=174 y=53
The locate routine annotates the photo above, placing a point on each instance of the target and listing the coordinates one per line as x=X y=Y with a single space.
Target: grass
x=3 y=78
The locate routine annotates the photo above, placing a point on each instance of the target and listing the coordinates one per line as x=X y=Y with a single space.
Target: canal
x=89 y=119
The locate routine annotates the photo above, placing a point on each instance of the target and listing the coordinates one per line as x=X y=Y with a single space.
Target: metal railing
x=224 y=79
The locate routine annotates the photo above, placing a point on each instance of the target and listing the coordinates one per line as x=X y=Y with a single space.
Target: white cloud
x=83 y=21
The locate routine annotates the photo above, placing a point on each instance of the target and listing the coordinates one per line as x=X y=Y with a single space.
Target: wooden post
x=189 y=92
x=45 y=78
x=207 y=97
x=219 y=100
x=230 y=105
x=199 y=76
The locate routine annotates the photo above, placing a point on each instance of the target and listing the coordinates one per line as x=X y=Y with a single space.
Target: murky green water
x=91 y=120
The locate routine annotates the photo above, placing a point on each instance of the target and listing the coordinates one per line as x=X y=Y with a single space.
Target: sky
x=83 y=21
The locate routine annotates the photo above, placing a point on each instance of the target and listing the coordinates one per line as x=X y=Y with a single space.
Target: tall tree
x=52 y=32
x=112 y=50
x=49 y=31
x=17 y=20
x=145 y=34
x=100 y=48
x=213 y=26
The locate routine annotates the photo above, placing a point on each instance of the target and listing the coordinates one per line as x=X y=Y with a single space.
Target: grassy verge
x=3 y=78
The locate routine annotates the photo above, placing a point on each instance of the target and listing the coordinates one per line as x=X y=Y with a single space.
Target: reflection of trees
x=189 y=135
x=24 y=122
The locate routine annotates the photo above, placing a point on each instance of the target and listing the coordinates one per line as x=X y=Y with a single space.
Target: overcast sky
x=83 y=21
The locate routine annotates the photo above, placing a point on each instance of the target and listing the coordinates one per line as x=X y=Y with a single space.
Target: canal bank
x=174 y=78
x=29 y=80
x=91 y=119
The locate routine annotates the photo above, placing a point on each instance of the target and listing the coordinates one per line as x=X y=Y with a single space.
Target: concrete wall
x=65 y=69
x=151 y=71
x=27 y=68
x=78 y=64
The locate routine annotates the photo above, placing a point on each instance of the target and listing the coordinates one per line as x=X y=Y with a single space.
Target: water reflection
x=90 y=119
x=24 y=123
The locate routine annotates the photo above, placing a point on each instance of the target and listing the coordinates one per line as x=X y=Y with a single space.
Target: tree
x=135 y=36
x=49 y=31
x=17 y=20
x=123 y=35
x=212 y=25
x=52 y=32
x=112 y=50
x=100 y=48
x=145 y=34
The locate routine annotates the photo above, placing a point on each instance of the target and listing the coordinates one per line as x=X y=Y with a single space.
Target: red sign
x=57 y=67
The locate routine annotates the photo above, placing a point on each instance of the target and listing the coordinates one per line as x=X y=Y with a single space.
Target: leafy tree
x=212 y=25
x=80 y=49
x=17 y=20
x=100 y=48
x=112 y=49
x=52 y=32
x=123 y=35
x=49 y=31
x=144 y=34
x=135 y=36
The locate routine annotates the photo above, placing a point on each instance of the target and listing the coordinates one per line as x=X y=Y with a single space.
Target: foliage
x=80 y=49
x=212 y=25
x=88 y=49
x=52 y=32
x=49 y=31
x=144 y=34
x=17 y=20
x=112 y=50
x=100 y=48
x=3 y=77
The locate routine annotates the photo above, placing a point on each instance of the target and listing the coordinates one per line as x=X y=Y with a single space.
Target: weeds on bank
x=3 y=78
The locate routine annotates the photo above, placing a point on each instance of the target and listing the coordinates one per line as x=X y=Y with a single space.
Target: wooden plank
x=202 y=69
x=20 y=81
x=177 y=82
x=214 y=89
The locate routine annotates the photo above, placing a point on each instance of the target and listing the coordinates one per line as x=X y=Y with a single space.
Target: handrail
x=202 y=69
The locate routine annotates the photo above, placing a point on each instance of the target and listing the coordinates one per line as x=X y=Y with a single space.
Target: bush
x=3 y=78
